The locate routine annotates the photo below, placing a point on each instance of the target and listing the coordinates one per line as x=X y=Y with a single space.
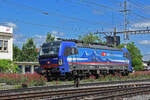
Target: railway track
x=116 y=93
x=8 y=91
x=96 y=92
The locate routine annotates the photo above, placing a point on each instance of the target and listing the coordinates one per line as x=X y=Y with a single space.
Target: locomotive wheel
x=49 y=79
x=62 y=78
x=96 y=76
x=70 y=78
x=126 y=73
x=123 y=73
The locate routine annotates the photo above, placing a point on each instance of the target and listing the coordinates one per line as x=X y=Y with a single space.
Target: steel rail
x=123 y=95
x=78 y=92
x=54 y=92
x=109 y=94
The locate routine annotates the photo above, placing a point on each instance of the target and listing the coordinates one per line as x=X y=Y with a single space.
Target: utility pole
x=126 y=37
x=115 y=39
x=125 y=20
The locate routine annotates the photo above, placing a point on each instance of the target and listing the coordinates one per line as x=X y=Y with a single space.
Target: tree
x=148 y=63
x=29 y=52
x=136 y=56
x=16 y=53
x=49 y=37
x=90 y=38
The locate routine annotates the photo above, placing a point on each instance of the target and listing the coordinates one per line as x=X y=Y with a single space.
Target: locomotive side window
x=70 y=51
x=74 y=51
x=125 y=54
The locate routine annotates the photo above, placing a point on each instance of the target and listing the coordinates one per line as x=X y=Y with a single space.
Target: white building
x=6 y=42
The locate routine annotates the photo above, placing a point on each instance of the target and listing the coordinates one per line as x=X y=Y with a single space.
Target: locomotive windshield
x=50 y=49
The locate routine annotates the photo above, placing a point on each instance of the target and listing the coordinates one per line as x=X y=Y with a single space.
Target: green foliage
x=49 y=37
x=136 y=56
x=148 y=63
x=90 y=38
x=7 y=66
x=16 y=53
x=29 y=52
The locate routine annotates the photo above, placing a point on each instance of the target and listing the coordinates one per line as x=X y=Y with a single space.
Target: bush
x=29 y=79
x=7 y=66
x=139 y=75
x=138 y=68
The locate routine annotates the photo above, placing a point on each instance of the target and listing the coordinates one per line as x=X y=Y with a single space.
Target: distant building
x=6 y=42
x=37 y=50
x=145 y=63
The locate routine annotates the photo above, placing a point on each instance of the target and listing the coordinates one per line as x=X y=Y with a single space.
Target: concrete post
x=32 y=69
x=23 y=69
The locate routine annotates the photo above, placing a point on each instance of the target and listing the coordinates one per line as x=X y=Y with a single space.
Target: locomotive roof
x=98 y=47
x=93 y=45
x=51 y=43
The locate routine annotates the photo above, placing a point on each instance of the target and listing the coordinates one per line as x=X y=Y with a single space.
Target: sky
x=71 y=18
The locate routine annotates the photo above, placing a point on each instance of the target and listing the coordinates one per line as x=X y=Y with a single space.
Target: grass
x=10 y=87
x=59 y=83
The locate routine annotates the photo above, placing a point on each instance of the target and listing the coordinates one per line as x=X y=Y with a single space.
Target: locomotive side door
x=70 y=53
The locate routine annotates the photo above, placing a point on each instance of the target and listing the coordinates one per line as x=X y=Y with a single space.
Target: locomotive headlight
x=48 y=62
x=60 y=62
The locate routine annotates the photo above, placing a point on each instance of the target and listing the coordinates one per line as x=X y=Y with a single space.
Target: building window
x=1 y=42
x=3 y=45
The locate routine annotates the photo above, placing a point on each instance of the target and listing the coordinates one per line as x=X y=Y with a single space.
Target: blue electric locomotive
x=64 y=58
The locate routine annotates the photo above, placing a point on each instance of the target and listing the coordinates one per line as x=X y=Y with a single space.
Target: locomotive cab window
x=50 y=49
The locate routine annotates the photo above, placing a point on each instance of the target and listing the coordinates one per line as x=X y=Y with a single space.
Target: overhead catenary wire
x=91 y=5
x=135 y=14
x=51 y=13
x=54 y=14
x=139 y=8
x=39 y=10
x=82 y=4
x=141 y=16
x=98 y=5
x=87 y=2
x=33 y=24
x=73 y=30
x=136 y=5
